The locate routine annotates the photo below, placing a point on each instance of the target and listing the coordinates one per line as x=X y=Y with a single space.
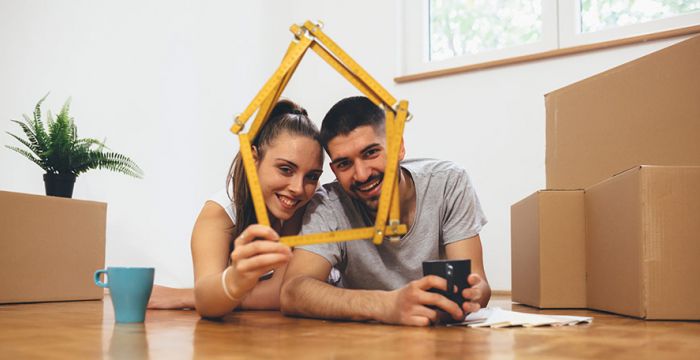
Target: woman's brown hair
x=285 y=117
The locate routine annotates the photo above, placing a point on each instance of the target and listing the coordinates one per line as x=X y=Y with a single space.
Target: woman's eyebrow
x=290 y=163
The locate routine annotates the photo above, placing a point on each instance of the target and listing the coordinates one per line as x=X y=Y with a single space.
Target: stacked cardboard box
x=640 y=234
x=643 y=228
x=50 y=247
x=548 y=246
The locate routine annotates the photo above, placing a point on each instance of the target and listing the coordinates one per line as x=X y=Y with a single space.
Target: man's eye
x=342 y=164
x=371 y=152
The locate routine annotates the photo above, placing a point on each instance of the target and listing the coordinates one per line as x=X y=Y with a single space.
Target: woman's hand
x=256 y=251
x=167 y=298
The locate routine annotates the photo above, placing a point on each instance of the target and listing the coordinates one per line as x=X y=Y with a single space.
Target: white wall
x=162 y=79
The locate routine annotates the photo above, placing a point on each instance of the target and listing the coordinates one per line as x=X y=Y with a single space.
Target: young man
x=384 y=283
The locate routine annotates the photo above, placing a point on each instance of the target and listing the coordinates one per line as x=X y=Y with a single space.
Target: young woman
x=238 y=263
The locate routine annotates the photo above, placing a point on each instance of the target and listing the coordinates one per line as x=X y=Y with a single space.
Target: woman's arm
x=250 y=259
x=211 y=238
x=266 y=295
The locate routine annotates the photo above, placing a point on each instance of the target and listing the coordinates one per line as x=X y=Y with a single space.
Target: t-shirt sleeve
x=319 y=218
x=463 y=217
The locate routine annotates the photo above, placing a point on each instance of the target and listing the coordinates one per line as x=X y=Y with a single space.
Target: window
x=605 y=14
x=439 y=34
x=584 y=22
x=459 y=27
x=448 y=33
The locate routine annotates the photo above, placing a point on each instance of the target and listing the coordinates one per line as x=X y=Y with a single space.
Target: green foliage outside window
x=604 y=14
x=465 y=27
x=462 y=27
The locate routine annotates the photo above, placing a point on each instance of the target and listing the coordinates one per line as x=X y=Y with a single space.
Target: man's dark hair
x=347 y=115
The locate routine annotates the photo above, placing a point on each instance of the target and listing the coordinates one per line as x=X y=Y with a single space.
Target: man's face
x=358 y=160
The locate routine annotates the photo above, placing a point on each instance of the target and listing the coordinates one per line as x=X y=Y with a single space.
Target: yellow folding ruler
x=310 y=35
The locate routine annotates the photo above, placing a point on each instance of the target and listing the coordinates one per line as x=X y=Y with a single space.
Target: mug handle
x=450 y=276
x=97 y=278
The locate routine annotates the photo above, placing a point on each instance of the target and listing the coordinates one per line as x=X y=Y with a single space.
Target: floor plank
x=86 y=330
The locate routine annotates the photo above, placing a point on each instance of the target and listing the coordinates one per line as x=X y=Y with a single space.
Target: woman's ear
x=402 y=150
x=255 y=154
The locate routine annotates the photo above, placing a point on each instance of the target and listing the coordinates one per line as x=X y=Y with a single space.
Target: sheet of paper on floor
x=497 y=318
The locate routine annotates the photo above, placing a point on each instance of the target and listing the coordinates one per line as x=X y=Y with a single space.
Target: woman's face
x=289 y=172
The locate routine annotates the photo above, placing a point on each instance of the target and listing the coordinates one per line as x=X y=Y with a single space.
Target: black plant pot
x=59 y=184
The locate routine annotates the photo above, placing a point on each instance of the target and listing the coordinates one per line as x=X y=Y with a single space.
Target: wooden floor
x=86 y=330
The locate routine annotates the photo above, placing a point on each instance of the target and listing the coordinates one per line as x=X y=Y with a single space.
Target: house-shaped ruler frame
x=310 y=36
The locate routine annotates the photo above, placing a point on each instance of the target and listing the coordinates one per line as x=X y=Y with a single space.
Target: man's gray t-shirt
x=447 y=210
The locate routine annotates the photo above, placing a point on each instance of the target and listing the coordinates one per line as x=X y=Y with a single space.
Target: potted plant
x=57 y=149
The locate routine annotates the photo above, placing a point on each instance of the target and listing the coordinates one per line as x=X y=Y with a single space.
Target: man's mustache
x=355 y=186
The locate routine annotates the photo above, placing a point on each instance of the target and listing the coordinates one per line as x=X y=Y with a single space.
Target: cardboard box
x=548 y=265
x=643 y=243
x=50 y=247
x=643 y=112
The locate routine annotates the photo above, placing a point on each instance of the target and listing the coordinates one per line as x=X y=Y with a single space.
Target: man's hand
x=409 y=305
x=251 y=259
x=475 y=294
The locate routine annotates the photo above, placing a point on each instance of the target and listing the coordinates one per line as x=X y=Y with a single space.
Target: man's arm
x=480 y=291
x=305 y=293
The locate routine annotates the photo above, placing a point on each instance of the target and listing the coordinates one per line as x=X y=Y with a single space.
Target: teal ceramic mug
x=130 y=288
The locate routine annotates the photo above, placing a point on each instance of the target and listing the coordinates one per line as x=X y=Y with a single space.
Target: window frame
x=413 y=56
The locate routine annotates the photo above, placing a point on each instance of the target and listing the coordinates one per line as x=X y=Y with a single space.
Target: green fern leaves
x=56 y=148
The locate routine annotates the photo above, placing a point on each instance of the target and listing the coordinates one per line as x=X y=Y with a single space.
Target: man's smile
x=370 y=188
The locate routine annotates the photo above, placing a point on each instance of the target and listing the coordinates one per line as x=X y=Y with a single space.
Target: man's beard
x=371 y=204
